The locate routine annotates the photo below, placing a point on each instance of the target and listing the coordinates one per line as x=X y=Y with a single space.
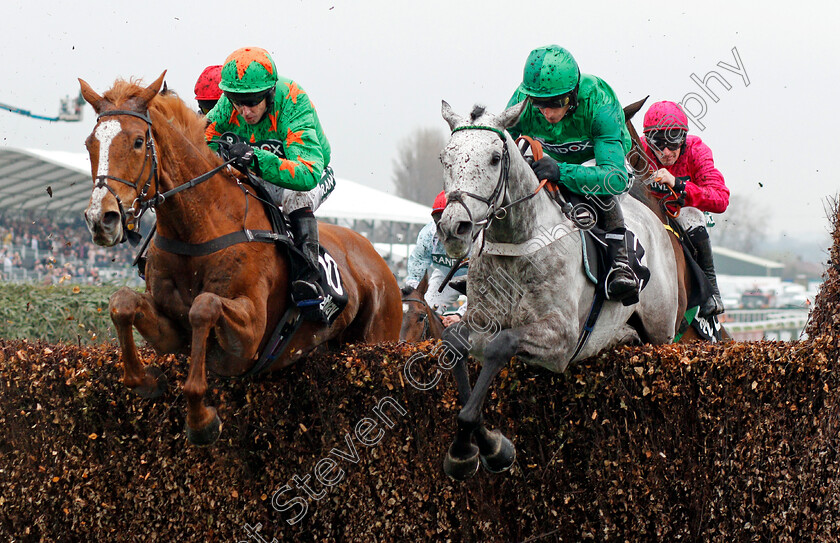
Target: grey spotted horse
x=528 y=291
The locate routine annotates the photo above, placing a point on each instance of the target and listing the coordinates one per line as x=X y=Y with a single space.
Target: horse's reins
x=499 y=212
x=290 y=321
x=141 y=204
x=500 y=192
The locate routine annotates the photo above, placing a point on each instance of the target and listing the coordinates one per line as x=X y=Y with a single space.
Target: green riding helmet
x=248 y=70
x=549 y=71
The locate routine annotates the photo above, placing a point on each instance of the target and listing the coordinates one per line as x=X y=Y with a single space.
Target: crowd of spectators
x=47 y=252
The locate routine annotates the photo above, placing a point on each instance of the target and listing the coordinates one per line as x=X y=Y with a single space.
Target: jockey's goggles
x=552 y=101
x=660 y=140
x=251 y=99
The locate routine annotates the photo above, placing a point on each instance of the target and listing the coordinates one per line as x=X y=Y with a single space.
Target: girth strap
x=222 y=242
x=589 y=325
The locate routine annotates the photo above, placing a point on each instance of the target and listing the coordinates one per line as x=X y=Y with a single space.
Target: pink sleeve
x=705 y=188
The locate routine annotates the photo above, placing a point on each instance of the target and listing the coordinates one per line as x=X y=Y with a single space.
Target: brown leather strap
x=537 y=152
x=536 y=147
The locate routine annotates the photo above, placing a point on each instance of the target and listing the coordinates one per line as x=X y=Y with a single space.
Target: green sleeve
x=295 y=127
x=304 y=162
x=609 y=176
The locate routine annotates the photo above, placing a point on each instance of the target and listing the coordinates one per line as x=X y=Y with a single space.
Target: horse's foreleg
x=457 y=338
x=129 y=309
x=237 y=327
x=496 y=451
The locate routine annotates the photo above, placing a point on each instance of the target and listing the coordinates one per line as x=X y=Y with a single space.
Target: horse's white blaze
x=105 y=133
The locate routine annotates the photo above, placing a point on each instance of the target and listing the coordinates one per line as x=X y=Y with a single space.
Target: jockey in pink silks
x=685 y=164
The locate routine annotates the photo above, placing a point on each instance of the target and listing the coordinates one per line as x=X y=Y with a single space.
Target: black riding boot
x=621 y=281
x=700 y=239
x=306 y=292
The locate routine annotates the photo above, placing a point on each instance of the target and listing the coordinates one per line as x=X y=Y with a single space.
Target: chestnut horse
x=420 y=322
x=219 y=307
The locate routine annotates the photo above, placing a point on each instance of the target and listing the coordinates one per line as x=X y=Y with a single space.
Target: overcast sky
x=377 y=70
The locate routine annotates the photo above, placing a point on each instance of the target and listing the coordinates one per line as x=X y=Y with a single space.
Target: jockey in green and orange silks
x=271 y=126
x=579 y=122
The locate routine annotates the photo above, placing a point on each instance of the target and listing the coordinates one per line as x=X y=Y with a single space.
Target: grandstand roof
x=26 y=174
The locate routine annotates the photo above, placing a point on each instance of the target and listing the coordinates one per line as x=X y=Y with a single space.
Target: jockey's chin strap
x=141 y=204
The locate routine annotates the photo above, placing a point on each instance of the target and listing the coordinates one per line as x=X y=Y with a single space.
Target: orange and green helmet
x=248 y=70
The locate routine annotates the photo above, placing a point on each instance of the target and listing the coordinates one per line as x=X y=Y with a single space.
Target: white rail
x=767 y=320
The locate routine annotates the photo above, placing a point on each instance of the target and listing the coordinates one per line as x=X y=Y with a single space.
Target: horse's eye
x=495 y=159
x=138 y=143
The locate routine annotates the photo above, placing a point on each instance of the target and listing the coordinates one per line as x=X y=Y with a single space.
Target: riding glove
x=546 y=168
x=242 y=153
x=679 y=186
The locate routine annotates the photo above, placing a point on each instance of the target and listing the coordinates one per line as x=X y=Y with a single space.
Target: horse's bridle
x=500 y=191
x=141 y=204
x=136 y=209
x=426 y=324
x=494 y=210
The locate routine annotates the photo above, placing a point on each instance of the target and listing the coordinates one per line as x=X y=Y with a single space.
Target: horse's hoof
x=207 y=435
x=150 y=392
x=502 y=454
x=461 y=468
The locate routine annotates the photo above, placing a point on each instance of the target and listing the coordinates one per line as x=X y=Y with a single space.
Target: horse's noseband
x=426 y=325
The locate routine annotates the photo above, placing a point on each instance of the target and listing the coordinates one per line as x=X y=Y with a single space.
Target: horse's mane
x=166 y=106
x=477 y=111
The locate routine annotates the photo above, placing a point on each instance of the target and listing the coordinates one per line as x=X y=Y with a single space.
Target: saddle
x=596 y=265
x=335 y=297
x=594 y=245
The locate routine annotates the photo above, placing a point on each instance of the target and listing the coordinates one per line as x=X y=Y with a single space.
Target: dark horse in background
x=220 y=308
x=420 y=322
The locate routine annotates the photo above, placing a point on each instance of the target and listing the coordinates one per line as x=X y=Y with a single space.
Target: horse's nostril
x=463 y=228
x=110 y=220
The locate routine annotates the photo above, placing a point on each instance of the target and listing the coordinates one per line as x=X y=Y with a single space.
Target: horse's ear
x=151 y=91
x=511 y=115
x=90 y=96
x=450 y=116
x=634 y=108
x=424 y=284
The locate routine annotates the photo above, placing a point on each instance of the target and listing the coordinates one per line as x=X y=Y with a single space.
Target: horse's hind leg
x=130 y=309
x=239 y=331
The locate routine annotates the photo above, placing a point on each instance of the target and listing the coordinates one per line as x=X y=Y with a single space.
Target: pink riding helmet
x=664 y=115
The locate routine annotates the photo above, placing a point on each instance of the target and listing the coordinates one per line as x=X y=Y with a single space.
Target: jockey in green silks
x=272 y=127
x=580 y=124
